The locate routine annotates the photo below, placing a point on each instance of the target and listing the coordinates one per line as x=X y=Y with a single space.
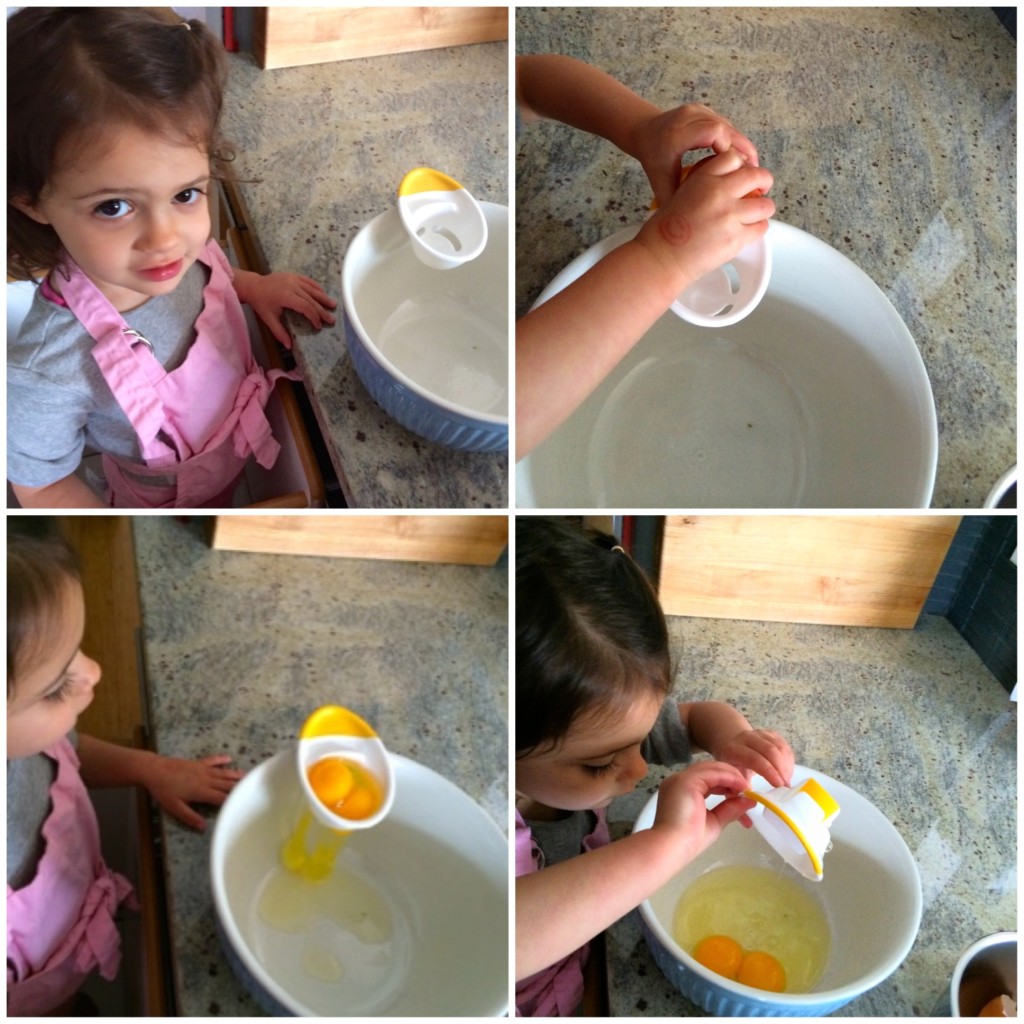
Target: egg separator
x=348 y=782
x=726 y=295
x=445 y=224
x=795 y=822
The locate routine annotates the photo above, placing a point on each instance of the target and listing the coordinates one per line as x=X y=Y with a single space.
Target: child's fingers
x=749 y=179
x=185 y=814
x=313 y=311
x=277 y=328
x=733 y=809
x=732 y=139
x=216 y=760
x=718 y=778
x=317 y=292
x=756 y=209
x=770 y=756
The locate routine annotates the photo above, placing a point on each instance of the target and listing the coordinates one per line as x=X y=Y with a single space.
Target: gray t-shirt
x=28 y=806
x=59 y=406
x=666 y=744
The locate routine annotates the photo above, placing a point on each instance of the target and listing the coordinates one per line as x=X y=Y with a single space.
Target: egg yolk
x=720 y=954
x=345 y=788
x=762 y=970
x=728 y=958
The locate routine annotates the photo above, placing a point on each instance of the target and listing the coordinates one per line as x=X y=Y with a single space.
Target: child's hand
x=175 y=782
x=660 y=143
x=271 y=294
x=709 y=218
x=761 y=751
x=681 y=804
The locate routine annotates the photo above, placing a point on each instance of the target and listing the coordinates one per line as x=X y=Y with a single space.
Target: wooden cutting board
x=467 y=540
x=290 y=36
x=836 y=570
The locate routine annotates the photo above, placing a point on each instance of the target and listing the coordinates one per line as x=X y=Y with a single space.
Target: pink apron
x=557 y=990
x=197 y=424
x=60 y=926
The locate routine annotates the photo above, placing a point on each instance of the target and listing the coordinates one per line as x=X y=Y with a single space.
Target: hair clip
x=619 y=547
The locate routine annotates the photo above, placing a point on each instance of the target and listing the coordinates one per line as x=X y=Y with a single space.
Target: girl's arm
x=568 y=90
x=567 y=346
x=560 y=908
x=172 y=782
x=71 y=492
x=727 y=736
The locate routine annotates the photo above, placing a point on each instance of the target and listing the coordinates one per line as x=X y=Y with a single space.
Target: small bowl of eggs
x=742 y=934
x=406 y=918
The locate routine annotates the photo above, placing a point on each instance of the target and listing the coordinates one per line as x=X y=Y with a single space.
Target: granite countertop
x=241 y=647
x=321 y=151
x=892 y=137
x=910 y=719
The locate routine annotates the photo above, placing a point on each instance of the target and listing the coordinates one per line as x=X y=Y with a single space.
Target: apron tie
x=253 y=432
x=100 y=944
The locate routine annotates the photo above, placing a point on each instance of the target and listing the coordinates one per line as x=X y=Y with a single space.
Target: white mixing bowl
x=431 y=346
x=871 y=896
x=437 y=862
x=818 y=399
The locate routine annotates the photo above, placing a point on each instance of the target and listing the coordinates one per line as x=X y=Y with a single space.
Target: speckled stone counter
x=910 y=719
x=892 y=137
x=321 y=151
x=241 y=647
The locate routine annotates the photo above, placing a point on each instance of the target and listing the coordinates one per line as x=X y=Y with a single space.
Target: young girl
x=567 y=346
x=136 y=345
x=61 y=897
x=592 y=676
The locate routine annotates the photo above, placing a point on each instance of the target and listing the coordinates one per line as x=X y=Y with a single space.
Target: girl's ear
x=22 y=205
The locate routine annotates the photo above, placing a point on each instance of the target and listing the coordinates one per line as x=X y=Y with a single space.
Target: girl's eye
x=112 y=209
x=598 y=769
x=189 y=197
x=63 y=691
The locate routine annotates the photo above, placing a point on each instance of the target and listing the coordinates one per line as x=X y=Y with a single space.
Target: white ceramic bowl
x=431 y=346
x=819 y=398
x=871 y=895
x=438 y=862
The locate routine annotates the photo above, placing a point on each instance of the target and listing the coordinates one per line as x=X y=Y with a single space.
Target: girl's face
x=131 y=209
x=56 y=687
x=596 y=761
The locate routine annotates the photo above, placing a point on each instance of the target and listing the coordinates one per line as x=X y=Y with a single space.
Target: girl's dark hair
x=40 y=565
x=72 y=71
x=590 y=633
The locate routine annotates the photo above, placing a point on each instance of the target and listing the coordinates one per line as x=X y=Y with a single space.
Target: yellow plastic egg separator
x=342 y=764
x=796 y=823
x=446 y=226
